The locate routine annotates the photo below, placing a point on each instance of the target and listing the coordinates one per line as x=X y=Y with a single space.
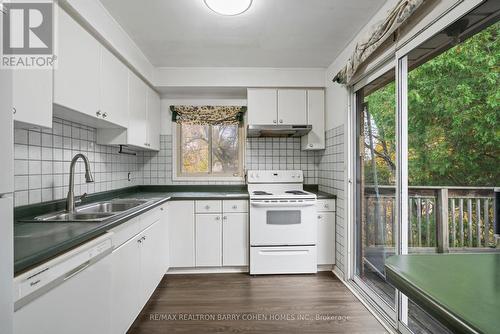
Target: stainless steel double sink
x=95 y=212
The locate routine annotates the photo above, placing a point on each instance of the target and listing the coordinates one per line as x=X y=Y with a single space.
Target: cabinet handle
x=235 y=207
x=14 y=110
x=105 y=115
x=161 y=209
x=207 y=207
x=310 y=145
x=217 y=218
x=281 y=121
x=143 y=238
x=139 y=241
x=274 y=121
x=98 y=113
x=225 y=217
x=319 y=217
x=34 y=283
x=326 y=206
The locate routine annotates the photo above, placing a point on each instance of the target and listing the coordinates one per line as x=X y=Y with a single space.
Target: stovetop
x=288 y=194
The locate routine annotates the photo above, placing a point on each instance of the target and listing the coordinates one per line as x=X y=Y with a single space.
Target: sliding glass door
x=375 y=231
x=426 y=157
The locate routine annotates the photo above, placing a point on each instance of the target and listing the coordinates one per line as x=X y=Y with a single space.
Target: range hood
x=271 y=130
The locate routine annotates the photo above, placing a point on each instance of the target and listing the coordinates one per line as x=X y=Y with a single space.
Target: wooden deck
x=240 y=303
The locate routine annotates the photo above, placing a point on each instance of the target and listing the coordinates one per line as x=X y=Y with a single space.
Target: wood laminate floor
x=239 y=303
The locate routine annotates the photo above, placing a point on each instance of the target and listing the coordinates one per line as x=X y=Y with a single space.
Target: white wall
x=239 y=77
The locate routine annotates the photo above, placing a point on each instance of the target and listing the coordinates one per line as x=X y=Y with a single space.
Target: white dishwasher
x=69 y=294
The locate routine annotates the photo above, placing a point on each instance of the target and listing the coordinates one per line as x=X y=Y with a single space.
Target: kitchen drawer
x=235 y=206
x=125 y=231
x=208 y=206
x=152 y=216
x=283 y=260
x=325 y=205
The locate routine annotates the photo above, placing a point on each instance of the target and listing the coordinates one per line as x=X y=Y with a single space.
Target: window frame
x=177 y=174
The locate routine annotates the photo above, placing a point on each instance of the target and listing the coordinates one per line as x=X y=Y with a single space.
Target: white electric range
x=283 y=224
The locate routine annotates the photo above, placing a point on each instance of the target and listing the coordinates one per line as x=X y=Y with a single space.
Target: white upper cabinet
x=262 y=106
x=271 y=106
x=315 y=139
x=114 y=89
x=37 y=109
x=76 y=79
x=154 y=120
x=292 y=106
x=137 y=133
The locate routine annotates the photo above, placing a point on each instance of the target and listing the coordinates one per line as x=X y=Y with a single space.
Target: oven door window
x=283 y=217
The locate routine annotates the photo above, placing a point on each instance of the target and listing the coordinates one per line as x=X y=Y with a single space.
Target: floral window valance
x=208 y=115
x=403 y=10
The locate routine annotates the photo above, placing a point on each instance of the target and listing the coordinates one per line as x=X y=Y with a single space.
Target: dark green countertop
x=35 y=243
x=460 y=290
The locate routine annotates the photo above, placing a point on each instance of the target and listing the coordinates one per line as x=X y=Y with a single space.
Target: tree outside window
x=209 y=150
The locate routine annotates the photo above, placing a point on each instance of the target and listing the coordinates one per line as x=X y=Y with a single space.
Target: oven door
x=283 y=222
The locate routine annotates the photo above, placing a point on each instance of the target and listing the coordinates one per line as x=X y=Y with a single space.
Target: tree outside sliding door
x=376 y=168
x=453 y=142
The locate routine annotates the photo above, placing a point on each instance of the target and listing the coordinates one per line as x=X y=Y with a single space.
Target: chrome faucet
x=70 y=201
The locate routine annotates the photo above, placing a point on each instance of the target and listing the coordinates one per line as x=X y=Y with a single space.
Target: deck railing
x=446 y=218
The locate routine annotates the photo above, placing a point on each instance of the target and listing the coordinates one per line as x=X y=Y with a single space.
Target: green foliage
x=454 y=110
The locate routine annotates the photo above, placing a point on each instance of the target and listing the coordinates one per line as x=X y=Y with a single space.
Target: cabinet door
x=153 y=120
x=125 y=285
x=235 y=239
x=292 y=106
x=7 y=139
x=138 y=123
x=181 y=233
x=37 y=109
x=315 y=139
x=152 y=267
x=114 y=89
x=76 y=79
x=326 y=237
x=208 y=240
x=262 y=106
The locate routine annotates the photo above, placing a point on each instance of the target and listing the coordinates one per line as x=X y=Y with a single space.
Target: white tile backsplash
x=42 y=160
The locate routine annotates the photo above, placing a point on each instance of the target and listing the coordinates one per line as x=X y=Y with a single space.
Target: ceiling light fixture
x=228 y=7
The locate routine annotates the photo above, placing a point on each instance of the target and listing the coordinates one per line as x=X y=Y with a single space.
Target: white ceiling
x=272 y=33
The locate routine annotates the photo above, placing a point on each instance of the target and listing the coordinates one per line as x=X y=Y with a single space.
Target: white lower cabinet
x=208 y=240
x=126 y=279
x=221 y=233
x=138 y=265
x=181 y=232
x=152 y=266
x=326 y=237
x=235 y=239
x=326 y=232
